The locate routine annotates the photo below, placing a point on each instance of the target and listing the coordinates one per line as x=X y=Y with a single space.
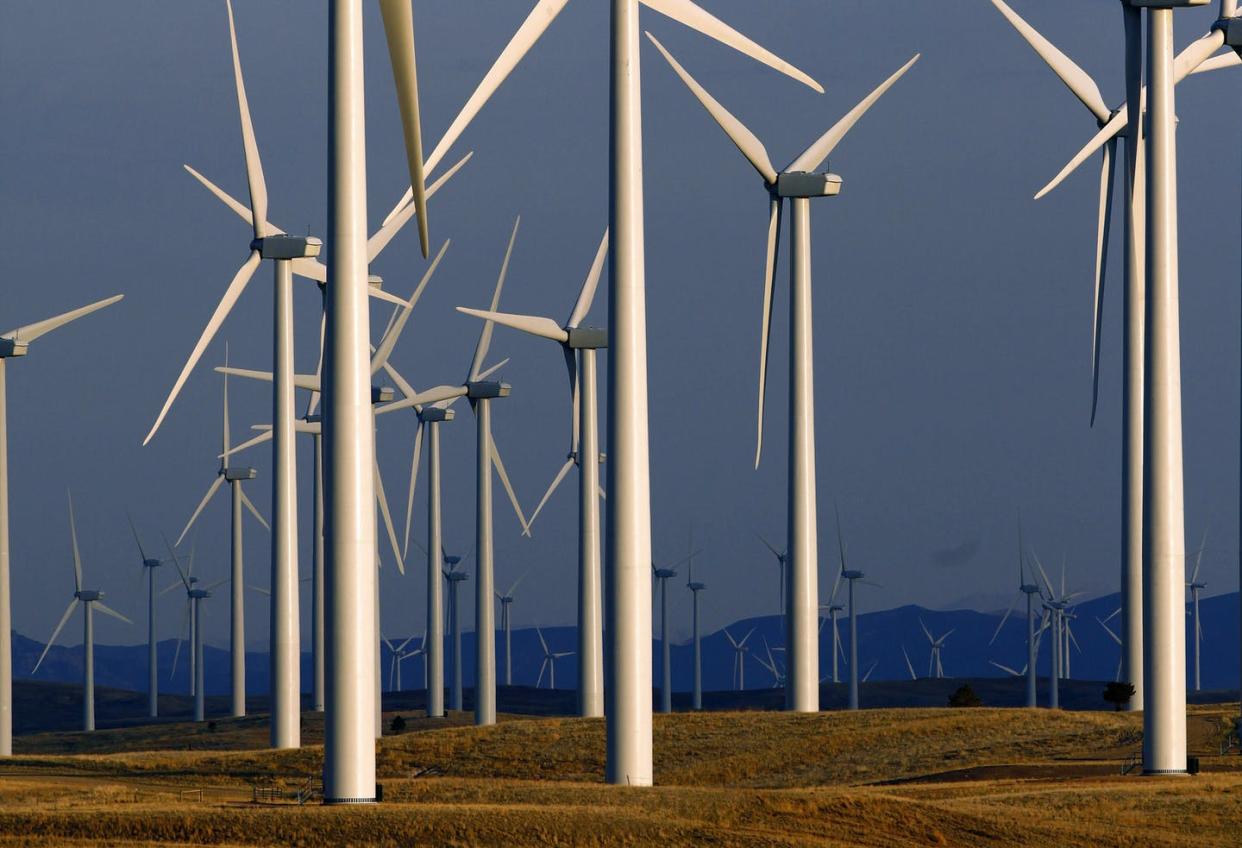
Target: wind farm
x=564 y=670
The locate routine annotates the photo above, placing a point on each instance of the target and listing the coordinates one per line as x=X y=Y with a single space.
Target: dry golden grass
x=875 y=778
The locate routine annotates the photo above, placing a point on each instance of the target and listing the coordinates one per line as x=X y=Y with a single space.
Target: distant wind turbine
x=739 y=655
x=1030 y=590
x=506 y=625
x=90 y=599
x=15 y=343
x=149 y=564
x=549 y=661
x=935 y=668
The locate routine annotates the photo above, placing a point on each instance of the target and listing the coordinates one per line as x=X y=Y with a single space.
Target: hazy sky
x=953 y=312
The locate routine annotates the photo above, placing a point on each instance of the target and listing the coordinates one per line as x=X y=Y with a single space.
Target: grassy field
x=877 y=777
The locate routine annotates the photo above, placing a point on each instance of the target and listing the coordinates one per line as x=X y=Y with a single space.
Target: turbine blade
x=586 y=295
x=814 y=155
x=556 y=481
x=539 y=633
x=504 y=481
x=691 y=15
x=1075 y=78
x=909 y=666
x=107 y=610
x=536 y=23
x=439 y=393
x=231 y=295
x=389 y=341
x=382 y=499
x=142 y=553
x=399 y=32
x=382 y=236
x=211 y=490
x=60 y=626
x=265 y=436
x=487 y=372
x=254 y=510
x=1108 y=132
x=926 y=632
x=254 y=168
x=77 y=556
x=1103 y=230
x=544 y=328
x=185 y=630
x=409 y=500
x=746 y=141
x=775 y=207
x=1004 y=618
x=228 y=199
x=485 y=337
x=768 y=545
x=29 y=332
x=1217 y=63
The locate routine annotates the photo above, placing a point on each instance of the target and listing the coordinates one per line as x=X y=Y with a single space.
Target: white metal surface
x=349 y=504
x=1164 y=544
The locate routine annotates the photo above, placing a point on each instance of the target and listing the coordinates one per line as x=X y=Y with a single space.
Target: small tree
x=211 y=727
x=965 y=697
x=1119 y=694
x=398 y=724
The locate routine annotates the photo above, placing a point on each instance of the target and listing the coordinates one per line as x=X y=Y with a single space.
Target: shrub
x=398 y=724
x=1118 y=694
x=965 y=697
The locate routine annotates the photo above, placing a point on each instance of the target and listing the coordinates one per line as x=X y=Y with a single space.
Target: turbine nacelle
x=151 y=563
x=88 y=595
x=456 y=576
x=382 y=394
x=485 y=389
x=13 y=347
x=852 y=575
x=1166 y=4
x=665 y=573
x=431 y=414
x=199 y=594
x=806 y=184
x=1233 y=33
x=696 y=587
x=234 y=474
x=1029 y=588
x=587 y=338
x=281 y=247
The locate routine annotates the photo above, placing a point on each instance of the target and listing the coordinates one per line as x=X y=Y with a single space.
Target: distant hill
x=881 y=637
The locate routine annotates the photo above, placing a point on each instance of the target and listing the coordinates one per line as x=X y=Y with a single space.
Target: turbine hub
x=287 y=247
x=806 y=184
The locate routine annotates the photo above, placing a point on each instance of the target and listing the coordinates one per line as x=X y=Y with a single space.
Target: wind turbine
x=739 y=655
x=934 y=666
x=397 y=654
x=195 y=595
x=1056 y=605
x=349 y=761
x=1195 y=586
x=506 y=622
x=14 y=343
x=782 y=561
x=480 y=392
x=696 y=701
x=454 y=577
x=421 y=650
x=799 y=182
x=1116 y=639
x=778 y=676
x=834 y=609
x=149 y=564
x=851 y=576
x=90 y=599
x=578 y=346
x=549 y=661
x=234 y=476
x=1030 y=590
x=663 y=574
x=1164 y=591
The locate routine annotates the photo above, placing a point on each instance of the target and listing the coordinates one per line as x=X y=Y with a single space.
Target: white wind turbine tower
x=696 y=700
x=1164 y=544
x=234 y=476
x=506 y=624
x=149 y=564
x=629 y=517
x=90 y=599
x=834 y=610
x=1030 y=590
x=549 y=661
x=934 y=666
x=798 y=182
x=14 y=343
x=1195 y=586
x=739 y=655
x=851 y=577
x=454 y=578
x=1134 y=181
x=578 y=346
